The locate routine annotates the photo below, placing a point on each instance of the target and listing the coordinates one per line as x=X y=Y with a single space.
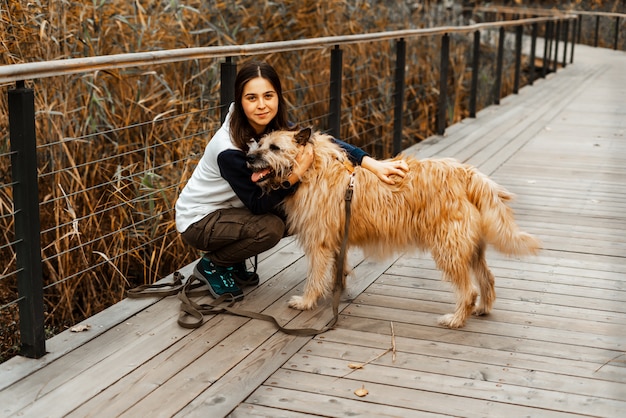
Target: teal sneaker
x=219 y=279
x=242 y=276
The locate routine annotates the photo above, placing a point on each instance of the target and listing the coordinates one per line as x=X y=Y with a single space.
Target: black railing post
x=228 y=72
x=499 y=62
x=615 y=42
x=546 y=48
x=576 y=22
x=580 y=28
x=27 y=223
x=518 y=57
x=398 y=109
x=595 y=42
x=549 y=38
x=475 y=68
x=565 y=39
x=443 y=84
x=557 y=35
x=334 y=111
x=533 y=53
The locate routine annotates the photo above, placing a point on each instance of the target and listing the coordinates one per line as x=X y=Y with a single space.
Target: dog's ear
x=303 y=136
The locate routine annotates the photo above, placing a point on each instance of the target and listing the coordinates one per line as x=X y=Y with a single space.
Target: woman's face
x=259 y=102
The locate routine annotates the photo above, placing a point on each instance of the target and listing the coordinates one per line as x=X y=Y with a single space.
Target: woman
x=221 y=211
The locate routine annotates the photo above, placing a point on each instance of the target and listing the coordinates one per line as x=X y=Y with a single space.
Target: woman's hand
x=385 y=168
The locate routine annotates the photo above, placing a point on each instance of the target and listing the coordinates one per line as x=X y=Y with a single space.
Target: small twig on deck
x=609 y=361
x=392 y=349
x=356 y=366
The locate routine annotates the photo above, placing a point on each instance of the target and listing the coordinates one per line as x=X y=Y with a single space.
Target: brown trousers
x=233 y=235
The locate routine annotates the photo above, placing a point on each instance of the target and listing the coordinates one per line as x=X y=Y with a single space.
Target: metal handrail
x=544 y=12
x=605 y=14
x=578 y=13
x=37 y=70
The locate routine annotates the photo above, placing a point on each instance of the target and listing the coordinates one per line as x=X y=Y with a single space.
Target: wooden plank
x=548 y=257
x=477 y=354
x=603 y=363
x=246 y=410
x=333 y=359
x=511 y=306
x=483 y=332
x=396 y=388
x=572 y=343
x=232 y=389
x=522 y=280
x=568 y=270
x=305 y=399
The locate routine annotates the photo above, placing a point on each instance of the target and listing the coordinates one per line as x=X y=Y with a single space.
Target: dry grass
x=116 y=146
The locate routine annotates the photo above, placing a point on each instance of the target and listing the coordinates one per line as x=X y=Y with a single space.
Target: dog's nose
x=251 y=158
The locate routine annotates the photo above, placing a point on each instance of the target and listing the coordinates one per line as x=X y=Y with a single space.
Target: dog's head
x=274 y=158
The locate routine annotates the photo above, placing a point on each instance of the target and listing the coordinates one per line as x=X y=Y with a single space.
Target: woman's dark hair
x=240 y=129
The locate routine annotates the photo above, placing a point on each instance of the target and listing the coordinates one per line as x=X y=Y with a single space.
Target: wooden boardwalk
x=555 y=344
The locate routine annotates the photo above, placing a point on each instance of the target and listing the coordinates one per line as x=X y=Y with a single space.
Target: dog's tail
x=498 y=223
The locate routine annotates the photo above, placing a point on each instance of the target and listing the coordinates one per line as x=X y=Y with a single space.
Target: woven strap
x=224 y=304
x=192 y=313
x=164 y=289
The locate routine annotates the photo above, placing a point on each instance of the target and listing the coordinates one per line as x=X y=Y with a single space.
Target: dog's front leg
x=317 y=283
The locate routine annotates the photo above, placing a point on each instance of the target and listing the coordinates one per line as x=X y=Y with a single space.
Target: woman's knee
x=272 y=229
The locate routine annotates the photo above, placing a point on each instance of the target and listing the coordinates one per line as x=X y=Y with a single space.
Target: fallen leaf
x=361 y=392
x=80 y=328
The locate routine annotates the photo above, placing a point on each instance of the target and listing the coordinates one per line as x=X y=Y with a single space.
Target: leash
x=225 y=304
x=340 y=259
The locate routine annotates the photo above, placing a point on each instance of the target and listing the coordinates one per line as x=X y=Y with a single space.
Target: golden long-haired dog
x=441 y=205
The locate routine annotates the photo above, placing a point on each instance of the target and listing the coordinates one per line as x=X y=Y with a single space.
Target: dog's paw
x=480 y=310
x=298 y=302
x=450 y=321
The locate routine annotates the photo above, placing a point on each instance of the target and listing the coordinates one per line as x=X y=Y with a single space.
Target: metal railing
x=598 y=17
x=593 y=19
x=23 y=141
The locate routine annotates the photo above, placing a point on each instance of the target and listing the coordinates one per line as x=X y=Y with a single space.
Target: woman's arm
x=382 y=168
x=234 y=168
x=355 y=154
x=385 y=168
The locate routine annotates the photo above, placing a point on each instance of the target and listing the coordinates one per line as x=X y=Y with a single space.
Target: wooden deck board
x=554 y=344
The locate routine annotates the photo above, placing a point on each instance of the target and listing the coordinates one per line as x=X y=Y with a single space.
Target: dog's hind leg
x=317 y=283
x=458 y=273
x=485 y=281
